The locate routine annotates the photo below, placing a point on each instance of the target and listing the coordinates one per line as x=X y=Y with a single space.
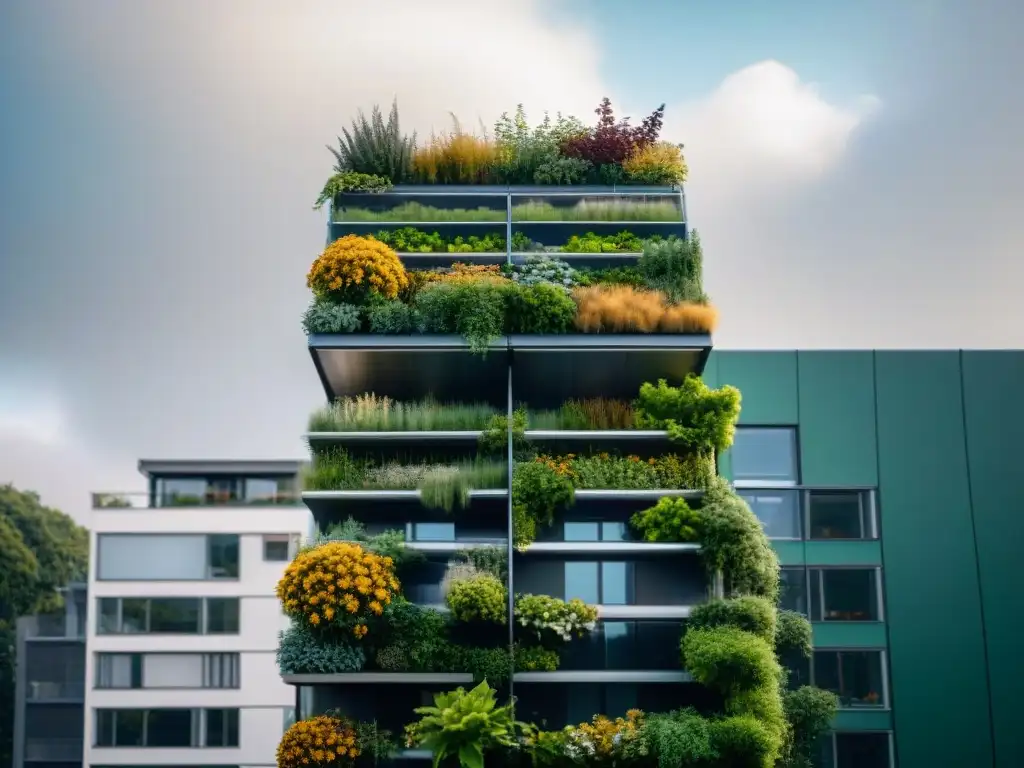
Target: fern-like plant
x=375 y=147
x=463 y=724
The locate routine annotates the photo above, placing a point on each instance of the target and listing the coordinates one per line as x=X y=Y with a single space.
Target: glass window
x=222 y=615
x=581 y=582
x=169 y=728
x=614 y=584
x=173 y=670
x=223 y=556
x=798 y=668
x=175 y=615
x=839 y=515
x=778 y=512
x=108 y=621
x=276 y=548
x=121 y=727
x=793 y=589
x=844 y=594
x=584 y=699
x=577 y=531
x=854 y=676
x=262 y=490
x=433 y=531
x=150 y=557
x=181 y=491
x=289 y=718
x=614 y=532
x=619 y=699
x=221 y=728
x=134 y=615
x=618 y=644
x=862 y=750
x=765 y=455
x=118 y=670
x=220 y=670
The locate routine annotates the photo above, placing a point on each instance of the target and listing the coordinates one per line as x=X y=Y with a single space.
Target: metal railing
x=50 y=748
x=143 y=500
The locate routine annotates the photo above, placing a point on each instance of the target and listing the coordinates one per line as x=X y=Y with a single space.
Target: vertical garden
x=514 y=477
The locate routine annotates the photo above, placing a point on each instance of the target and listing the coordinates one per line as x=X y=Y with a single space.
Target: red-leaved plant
x=611 y=142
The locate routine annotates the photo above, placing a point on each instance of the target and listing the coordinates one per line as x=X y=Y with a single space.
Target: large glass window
x=840 y=515
x=169 y=727
x=167 y=670
x=221 y=727
x=223 y=558
x=592 y=530
x=166 y=557
x=176 y=615
x=581 y=581
x=168 y=615
x=777 y=511
x=765 y=455
x=605 y=583
x=793 y=589
x=862 y=750
x=856 y=677
x=433 y=531
x=845 y=594
x=222 y=615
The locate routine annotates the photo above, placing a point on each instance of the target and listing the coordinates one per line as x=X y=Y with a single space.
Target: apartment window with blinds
x=167 y=670
x=168 y=727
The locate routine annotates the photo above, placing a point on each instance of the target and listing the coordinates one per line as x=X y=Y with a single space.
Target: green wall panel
x=848 y=634
x=937 y=654
x=710 y=374
x=876 y=720
x=837 y=418
x=789 y=552
x=767 y=381
x=994 y=412
x=843 y=553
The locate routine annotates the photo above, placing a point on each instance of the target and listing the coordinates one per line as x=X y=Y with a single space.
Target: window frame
x=601 y=524
x=232 y=660
x=833 y=740
x=867 y=499
x=278 y=538
x=816 y=571
x=198 y=731
x=630 y=585
x=883 y=661
x=794 y=431
x=204 y=616
x=208 y=569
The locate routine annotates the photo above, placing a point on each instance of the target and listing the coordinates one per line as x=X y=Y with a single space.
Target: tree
x=41 y=550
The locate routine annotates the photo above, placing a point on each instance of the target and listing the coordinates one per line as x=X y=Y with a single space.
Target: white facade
x=175 y=669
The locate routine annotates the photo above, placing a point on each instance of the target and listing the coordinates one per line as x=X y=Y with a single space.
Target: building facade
x=182 y=630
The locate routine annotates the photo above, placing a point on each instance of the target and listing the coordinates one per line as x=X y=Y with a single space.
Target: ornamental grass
x=338 y=584
x=625 y=309
x=354 y=268
x=318 y=742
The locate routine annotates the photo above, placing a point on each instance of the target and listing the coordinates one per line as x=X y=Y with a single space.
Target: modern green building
x=900 y=537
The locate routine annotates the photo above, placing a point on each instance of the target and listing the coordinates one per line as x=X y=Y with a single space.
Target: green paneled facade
x=940 y=437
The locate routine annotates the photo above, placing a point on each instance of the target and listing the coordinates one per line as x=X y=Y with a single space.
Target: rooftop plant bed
x=534 y=210
x=361 y=285
x=375 y=153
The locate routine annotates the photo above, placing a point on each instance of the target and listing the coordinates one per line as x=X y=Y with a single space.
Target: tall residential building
x=49 y=692
x=182 y=629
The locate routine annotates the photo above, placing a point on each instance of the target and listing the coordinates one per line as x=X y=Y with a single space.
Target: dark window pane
x=584 y=699
x=619 y=699
x=777 y=511
x=130 y=727
x=838 y=515
x=618 y=644
x=181 y=491
x=765 y=455
x=134 y=611
x=169 y=728
x=793 y=590
x=581 y=531
x=862 y=750
x=174 y=615
x=798 y=667
x=223 y=556
x=222 y=728
x=222 y=615
x=849 y=594
x=581 y=582
x=276 y=549
x=434 y=531
x=105 y=727
x=854 y=676
x=107 y=622
x=614 y=584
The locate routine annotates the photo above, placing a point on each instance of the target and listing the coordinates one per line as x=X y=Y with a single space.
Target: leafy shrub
x=350 y=181
x=393 y=317
x=624 y=309
x=605 y=741
x=413 y=240
x=597 y=210
x=353 y=269
x=623 y=242
x=493 y=441
x=540 y=308
x=473 y=308
x=729 y=660
x=680 y=738
x=492 y=560
x=544 y=269
x=375 y=147
x=302 y=652
x=318 y=741
x=743 y=741
x=526 y=156
x=629 y=472
x=538 y=491
x=333 y=469
x=479 y=598
x=535 y=659
x=733 y=542
x=548 y=618
x=809 y=712
x=611 y=142
x=590 y=413
x=675 y=266
x=375 y=744
x=456 y=157
x=563 y=170
x=751 y=614
x=463 y=724
x=324 y=316
x=671 y=520
x=415 y=211
x=611 y=276
x=792 y=634
x=693 y=414
x=658 y=163
x=337 y=584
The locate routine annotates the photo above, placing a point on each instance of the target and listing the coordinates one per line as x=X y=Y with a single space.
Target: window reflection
x=434 y=531
x=777 y=511
x=862 y=750
x=793 y=589
x=576 y=531
x=854 y=676
x=614 y=589
x=844 y=594
x=581 y=582
x=838 y=515
x=765 y=455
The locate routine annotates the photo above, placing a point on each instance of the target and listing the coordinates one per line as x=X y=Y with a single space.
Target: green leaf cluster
x=693 y=414
x=671 y=519
x=538 y=491
x=482 y=597
x=464 y=724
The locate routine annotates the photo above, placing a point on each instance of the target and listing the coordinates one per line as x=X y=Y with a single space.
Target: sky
x=857 y=171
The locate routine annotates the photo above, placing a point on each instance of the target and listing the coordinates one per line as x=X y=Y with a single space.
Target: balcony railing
x=142 y=500
x=48 y=749
x=55 y=690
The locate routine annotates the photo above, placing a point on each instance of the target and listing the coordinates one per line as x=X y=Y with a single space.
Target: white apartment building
x=183 y=622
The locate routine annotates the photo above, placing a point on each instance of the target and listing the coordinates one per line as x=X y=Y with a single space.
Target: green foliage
x=333 y=469
x=623 y=242
x=535 y=658
x=393 y=317
x=681 y=738
x=463 y=724
x=387 y=543
x=611 y=276
x=375 y=744
x=375 y=147
x=597 y=210
x=541 y=308
x=590 y=413
x=413 y=240
x=693 y=414
x=809 y=712
x=675 y=266
x=530 y=156
x=445 y=488
x=743 y=741
x=670 y=471
x=671 y=520
x=492 y=560
x=544 y=268
x=325 y=316
x=538 y=491
x=792 y=634
x=370 y=413
x=414 y=211
x=479 y=598
x=340 y=183
x=493 y=440
x=474 y=309
x=551 y=620
x=751 y=614
x=733 y=542
x=301 y=651
x=729 y=660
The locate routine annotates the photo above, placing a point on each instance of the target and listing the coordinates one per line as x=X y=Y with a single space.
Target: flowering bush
x=611 y=142
x=604 y=740
x=658 y=163
x=353 y=268
x=318 y=741
x=631 y=472
x=337 y=584
x=549 y=617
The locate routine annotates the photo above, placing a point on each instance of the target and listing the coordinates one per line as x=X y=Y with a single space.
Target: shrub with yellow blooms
x=324 y=741
x=338 y=584
x=658 y=163
x=354 y=268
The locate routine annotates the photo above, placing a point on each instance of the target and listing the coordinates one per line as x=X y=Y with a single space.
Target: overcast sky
x=857 y=179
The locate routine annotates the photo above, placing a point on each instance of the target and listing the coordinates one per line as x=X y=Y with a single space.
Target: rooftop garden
x=374 y=153
x=360 y=285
